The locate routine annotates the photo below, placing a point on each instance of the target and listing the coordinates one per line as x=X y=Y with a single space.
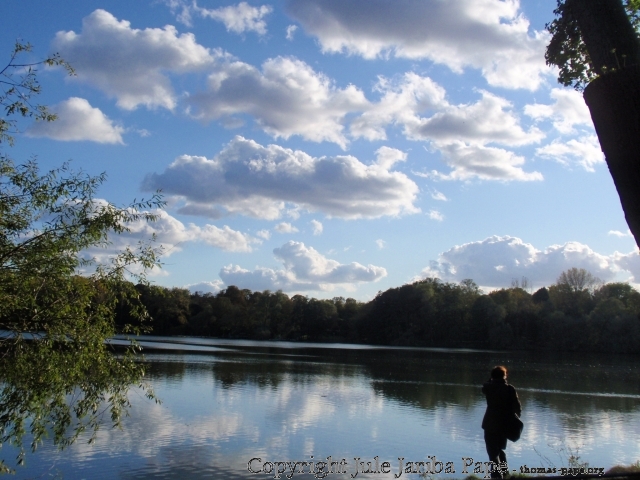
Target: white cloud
x=239 y=18
x=262 y=279
x=305 y=269
x=265 y=234
x=224 y=238
x=486 y=163
x=128 y=63
x=172 y=234
x=381 y=243
x=631 y=263
x=568 y=110
x=620 y=234
x=495 y=261
x=435 y=215
x=293 y=212
x=490 y=120
x=285 y=227
x=182 y=10
x=308 y=264
x=436 y=195
x=490 y=35
x=290 y=31
x=584 y=151
x=205 y=287
x=402 y=100
x=250 y=179
x=78 y=120
x=287 y=98
x=460 y=132
x=317 y=227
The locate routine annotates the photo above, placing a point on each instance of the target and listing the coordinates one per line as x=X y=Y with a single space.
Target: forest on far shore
x=577 y=313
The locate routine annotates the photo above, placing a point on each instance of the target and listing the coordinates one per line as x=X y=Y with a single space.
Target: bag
x=514 y=428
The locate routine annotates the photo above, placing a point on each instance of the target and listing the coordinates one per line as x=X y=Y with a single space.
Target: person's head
x=499 y=372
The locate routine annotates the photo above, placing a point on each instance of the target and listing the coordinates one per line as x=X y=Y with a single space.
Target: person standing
x=502 y=404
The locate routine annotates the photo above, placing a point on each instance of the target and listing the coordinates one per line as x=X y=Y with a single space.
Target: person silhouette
x=502 y=403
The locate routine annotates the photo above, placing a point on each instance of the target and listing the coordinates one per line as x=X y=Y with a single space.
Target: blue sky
x=330 y=147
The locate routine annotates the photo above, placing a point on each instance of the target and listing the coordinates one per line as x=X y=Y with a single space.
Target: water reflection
x=280 y=401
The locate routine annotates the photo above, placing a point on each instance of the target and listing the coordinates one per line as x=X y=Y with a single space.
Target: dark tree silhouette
x=596 y=47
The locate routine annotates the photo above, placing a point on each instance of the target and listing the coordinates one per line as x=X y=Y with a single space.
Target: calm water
x=226 y=402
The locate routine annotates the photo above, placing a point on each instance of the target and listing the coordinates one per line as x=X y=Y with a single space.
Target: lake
x=226 y=402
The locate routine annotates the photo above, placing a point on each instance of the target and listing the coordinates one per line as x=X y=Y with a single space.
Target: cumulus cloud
x=236 y=18
x=205 y=287
x=239 y=18
x=584 y=152
x=402 y=100
x=462 y=133
x=490 y=120
x=495 y=261
x=631 y=263
x=405 y=99
x=304 y=269
x=308 y=264
x=567 y=111
x=262 y=279
x=316 y=226
x=78 y=120
x=172 y=235
x=130 y=64
x=286 y=98
x=381 y=243
x=250 y=179
x=489 y=35
x=285 y=227
x=486 y=163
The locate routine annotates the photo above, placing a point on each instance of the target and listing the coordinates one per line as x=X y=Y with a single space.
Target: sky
x=329 y=147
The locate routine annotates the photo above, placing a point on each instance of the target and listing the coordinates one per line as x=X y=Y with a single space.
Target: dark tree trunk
x=614 y=103
x=614 y=97
x=610 y=39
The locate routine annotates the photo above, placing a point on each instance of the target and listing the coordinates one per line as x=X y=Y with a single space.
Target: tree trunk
x=614 y=97
x=614 y=103
x=610 y=39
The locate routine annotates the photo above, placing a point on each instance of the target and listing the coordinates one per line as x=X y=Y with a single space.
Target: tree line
x=577 y=313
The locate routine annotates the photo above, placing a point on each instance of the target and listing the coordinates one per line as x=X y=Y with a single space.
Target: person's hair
x=499 y=372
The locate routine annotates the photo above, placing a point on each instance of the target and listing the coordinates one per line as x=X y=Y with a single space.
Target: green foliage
x=540 y=295
x=58 y=375
x=620 y=291
x=567 y=49
x=57 y=370
x=169 y=308
x=488 y=323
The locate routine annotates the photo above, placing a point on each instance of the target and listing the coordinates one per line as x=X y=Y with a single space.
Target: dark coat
x=502 y=403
